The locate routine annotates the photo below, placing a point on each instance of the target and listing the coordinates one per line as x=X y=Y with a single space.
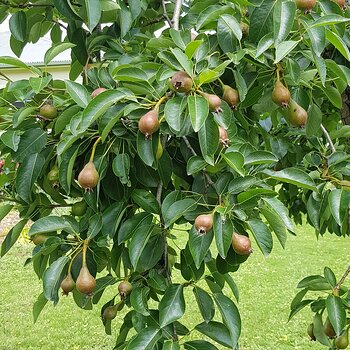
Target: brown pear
x=281 y=95
x=124 y=289
x=223 y=137
x=341 y=3
x=328 y=329
x=297 y=114
x=149 y=123
x=310 y=331
x=305 y=5
x=85 y=283
x=214 y=102
x=110 y=312
x=231 y=96
x=241 y=244
x=203 y=223
x=88 y=177
x=181 y=82
x=67 y=284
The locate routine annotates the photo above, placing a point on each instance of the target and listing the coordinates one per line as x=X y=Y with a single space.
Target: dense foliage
x=141 y=148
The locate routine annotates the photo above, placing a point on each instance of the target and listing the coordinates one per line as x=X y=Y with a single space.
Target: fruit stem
x=161 y=100
x=279 y=69
x=94 y=149
x=222 y=84
x=85 y=246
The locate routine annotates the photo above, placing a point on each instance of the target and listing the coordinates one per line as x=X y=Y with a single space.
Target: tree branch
x=176 y=15
x=341 y=281
x=165 y=14
x=326 y=134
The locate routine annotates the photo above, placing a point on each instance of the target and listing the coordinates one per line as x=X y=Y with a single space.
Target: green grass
x=267 y=286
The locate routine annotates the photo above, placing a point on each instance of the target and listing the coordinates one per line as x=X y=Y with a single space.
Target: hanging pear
x=342 y=342
x=297 y=114
x=88 y=177
x=280 y=95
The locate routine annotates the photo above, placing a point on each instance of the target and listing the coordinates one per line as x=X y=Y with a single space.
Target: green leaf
x=327 y=20
x=78 y=93
x=138 y=242
x=198 y=109
x=314 y=120
x=283 y=20
x=53 y=277
x=111 y=218
x=132 y=74
x=49 y=224
x=261 y=20
x=241 y=85
x=27 y=174
x=185 y=63
x=12 y=236
x=231 y=24
x=13 y=61
x=93 y=10
x=235 y=161
x=11 y=139
x=223 y=229
x=283 y=49
x=138 y=300
x=205 y=303
x=145 y=340
x=338 y=201
x=146 y=200
x=129 y=227
x=125 y=18
x=32 y=141
x=333 y=95
x=180 y=38
x=293 y=176
x=18 y=25
x=260 y=157
x=38 y=306
x=330 y=276
x=65 y=8
x=199 y=245
x=264 y=44
x=199 y=345
x=146 y=148
x=336 y=313
x=39 y=83
x=338 y=43
x=172 y=306
x=319 y=331
x=121 y=168
x=216 y=331
x=170 y=345
x=195 y=164
x=230 y=316
x=95 y=225
x=4 y=210
x=55 y=50
x=318 y=39
x=177 y=210
x=98 y=106
x=262 y=235
x=173 y=110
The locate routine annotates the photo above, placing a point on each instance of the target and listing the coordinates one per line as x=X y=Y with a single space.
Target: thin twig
x=176 y=15
x=165 y=14
x=159 y=193
x=341 y=281
x=326 y=134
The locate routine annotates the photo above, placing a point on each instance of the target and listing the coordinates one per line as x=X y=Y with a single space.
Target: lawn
x=267 y=286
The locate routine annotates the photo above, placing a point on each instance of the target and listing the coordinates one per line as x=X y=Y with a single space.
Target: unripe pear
x=97 y=91
x=48 y=111
x=213 y=101
x=85 y=283
x=245 y=28
x=231 y=96
x=67 y=284
x=39 y=238
x=88 y=177
x=124 y=289
x=181 y=82
x=297 y=114
x=149 y=123
x=305 y=5
x=280 y=95
x=79 y=208
x=328 y=329
x=203 y=223
x=241 y=244
x=342 y=342
x=110 y=312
